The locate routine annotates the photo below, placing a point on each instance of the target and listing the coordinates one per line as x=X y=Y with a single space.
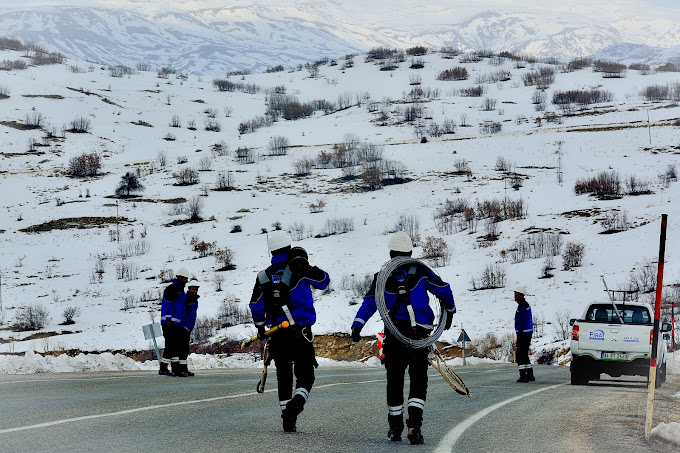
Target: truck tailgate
x=610 y=338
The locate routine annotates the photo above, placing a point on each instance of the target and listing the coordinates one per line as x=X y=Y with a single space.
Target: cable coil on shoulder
x=381 y=279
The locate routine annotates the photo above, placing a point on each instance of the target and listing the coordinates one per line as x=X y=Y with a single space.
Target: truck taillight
x=574 y=333
x=651 y=336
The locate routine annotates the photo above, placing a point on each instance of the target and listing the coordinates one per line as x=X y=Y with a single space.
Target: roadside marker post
x=463 y=337
x=655 y=331
x=151 y=331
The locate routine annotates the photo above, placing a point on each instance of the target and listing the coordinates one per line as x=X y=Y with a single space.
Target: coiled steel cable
x=381 y=279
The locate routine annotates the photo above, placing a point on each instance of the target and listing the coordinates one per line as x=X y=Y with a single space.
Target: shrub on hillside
x=186 y=177
x=492 y=347
x=610 y=69
x=225 y=259
x=86 y=164
x=231 y=313
x=493 y=276
x=203 y=248
x=80 y=125
x=573 y=255
x=604 y=185
x=31 y=317
x=457 y=73
x=436 y=251
x=542 y=78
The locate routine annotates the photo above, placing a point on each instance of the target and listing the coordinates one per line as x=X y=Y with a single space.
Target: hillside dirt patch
x=18 y=125
x=75 y=222
x=46 y=96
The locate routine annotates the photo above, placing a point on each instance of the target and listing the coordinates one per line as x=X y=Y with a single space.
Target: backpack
x=276 y=293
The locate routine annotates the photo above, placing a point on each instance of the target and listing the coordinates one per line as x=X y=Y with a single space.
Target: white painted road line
x=449 y=441
x=160 y=406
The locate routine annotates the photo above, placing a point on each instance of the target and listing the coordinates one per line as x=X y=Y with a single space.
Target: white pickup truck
x=616 y=341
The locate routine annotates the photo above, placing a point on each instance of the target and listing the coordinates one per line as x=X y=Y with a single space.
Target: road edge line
x=449 y=441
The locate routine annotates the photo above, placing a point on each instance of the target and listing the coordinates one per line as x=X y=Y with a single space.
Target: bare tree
x=562 y=326
x=80 y=125
x=225 y=258
x=69 y=313
x=129 y=182
x=162 y=158
x=279 y=145
x=34 y=120
x=187 y=177
x=194 y=208
x=205 y=164
x=225 y=181
x=176 y=121
x=218 y=280
x=573 y=254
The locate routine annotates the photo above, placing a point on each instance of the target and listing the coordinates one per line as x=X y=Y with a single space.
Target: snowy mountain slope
x=175 y=39
x=130 y=121
x=211 y=38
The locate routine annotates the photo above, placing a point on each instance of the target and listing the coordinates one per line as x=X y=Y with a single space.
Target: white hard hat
x=400 y=242
x=521 y=289
x=182 y=272
x=194 y=282
x=278 y=239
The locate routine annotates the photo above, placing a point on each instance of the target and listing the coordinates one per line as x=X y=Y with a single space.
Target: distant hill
x=254 y=37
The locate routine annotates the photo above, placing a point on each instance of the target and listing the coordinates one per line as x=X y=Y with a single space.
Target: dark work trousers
x=522 y=354
x=398 y=357
x=173 y=343
x=183 y=344
x=293 y=352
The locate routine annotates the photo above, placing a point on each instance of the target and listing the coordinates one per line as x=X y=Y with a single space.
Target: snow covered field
x=130 y=121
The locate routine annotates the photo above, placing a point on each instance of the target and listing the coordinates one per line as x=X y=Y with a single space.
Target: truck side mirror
x=666 y=327
x=572 y=321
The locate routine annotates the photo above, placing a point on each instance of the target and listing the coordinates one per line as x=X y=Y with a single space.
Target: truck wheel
x=577 y=377
x=661 y=375
x=663 y=372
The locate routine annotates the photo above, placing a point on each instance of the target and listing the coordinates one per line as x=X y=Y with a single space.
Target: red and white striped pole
x=655 y=334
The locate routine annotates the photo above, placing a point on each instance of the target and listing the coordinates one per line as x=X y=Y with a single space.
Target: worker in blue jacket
x=407 y=300
x=524 y=328
x=172 y=312
x=187 y=325
x=283 y=292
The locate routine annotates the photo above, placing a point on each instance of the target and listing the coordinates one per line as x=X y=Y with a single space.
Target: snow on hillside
x=130 y=119
x=215 y=37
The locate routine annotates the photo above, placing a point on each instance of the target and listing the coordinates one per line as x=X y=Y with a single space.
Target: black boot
x=523 y=375
x=415 y=436
x=163 y=371
x=414 y=422
x=182 y=370
x=396 y=427
x=530 y=374
x=290 y=413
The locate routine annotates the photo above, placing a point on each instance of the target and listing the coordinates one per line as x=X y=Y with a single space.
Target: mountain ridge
x=216 y=40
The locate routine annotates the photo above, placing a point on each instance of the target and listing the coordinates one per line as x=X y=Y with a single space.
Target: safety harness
x=402 y=297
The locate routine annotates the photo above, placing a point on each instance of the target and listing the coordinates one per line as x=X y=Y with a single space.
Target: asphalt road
x=219 y=411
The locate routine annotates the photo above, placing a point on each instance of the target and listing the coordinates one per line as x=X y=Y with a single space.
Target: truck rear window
x=606 y=313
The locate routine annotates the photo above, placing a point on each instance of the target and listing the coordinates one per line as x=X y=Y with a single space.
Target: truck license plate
x=615 y=355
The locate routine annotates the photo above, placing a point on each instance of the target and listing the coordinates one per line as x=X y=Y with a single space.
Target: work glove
x=356 y=334
x=449 y=319
x=260 y=332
